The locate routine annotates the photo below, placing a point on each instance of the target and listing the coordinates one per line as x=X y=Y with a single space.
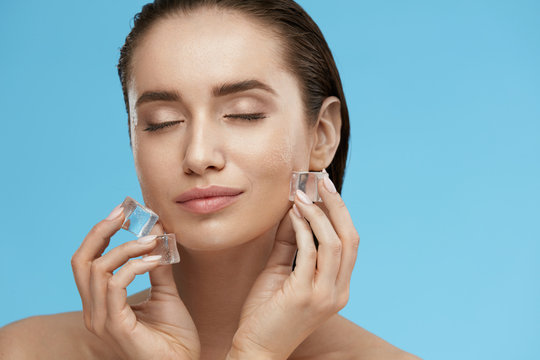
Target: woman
x=225 y=100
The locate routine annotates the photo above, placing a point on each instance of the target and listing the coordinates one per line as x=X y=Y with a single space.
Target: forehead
x=203 y=48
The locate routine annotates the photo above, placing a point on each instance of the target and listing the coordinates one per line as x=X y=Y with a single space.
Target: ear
x=327 y=134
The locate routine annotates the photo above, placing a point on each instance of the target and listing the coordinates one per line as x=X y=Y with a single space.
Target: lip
x=208 y=199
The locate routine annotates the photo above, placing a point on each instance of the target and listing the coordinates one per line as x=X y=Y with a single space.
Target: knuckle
x=336 y=248
x=131 y=263
x=122 y=249
x=97 y=266
x=95 y=230
x=128 y=245
x=314 y=212
x=340 y=204
x=112 y=283
x=311 y=253
x=318 y=212
x=355 y=240
x=76 y=260
x=129 y=267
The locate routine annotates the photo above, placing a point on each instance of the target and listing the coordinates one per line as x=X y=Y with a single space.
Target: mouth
x=208 y=200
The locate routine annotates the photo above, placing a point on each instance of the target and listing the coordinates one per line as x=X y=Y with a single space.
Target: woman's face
x=212 y=106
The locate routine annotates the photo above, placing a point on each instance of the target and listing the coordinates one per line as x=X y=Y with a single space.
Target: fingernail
x=303 y=197
x=115 y=213
x=150 y=258
x=296 y=212
x=146 y=239
x=329 y=185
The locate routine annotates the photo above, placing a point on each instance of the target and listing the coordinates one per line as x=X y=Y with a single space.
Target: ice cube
x=166 y=247
x=307 y=182
x=139 y=220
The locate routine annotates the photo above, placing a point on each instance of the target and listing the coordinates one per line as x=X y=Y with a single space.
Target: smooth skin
x=317 y=288
x=234 y=294
x=163 y=321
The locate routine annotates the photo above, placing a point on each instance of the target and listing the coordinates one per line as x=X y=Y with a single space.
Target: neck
x=214 y=285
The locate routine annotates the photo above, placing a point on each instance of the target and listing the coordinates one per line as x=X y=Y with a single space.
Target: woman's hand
x=159 y=328
x=284 y=307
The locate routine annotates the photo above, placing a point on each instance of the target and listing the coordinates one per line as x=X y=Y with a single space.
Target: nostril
x=201 y=164
x=203 y=150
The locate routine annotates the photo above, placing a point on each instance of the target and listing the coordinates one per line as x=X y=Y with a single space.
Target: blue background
x=443 y=177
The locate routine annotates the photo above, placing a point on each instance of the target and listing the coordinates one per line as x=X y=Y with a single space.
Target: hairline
x=273 y=31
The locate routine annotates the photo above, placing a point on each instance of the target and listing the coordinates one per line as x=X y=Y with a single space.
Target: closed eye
x=248 y=117
x=162 y=125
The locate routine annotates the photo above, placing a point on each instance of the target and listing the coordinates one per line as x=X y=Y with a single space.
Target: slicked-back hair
x=306 y=55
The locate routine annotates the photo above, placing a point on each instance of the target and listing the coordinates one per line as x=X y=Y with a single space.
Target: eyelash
x=156 y=127
x=248 y=117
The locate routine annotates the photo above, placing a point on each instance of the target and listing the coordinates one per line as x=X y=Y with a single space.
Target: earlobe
x=327 y=134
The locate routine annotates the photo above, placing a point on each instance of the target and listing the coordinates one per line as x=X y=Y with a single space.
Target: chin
x=244 y=221
x=220 y=233
x=206 y=239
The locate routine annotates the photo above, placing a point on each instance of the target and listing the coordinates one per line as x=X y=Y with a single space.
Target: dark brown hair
x=306 y=55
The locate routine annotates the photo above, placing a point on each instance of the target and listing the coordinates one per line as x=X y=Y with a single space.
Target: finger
x=92 y=247
x=161 y=278
x=118 y=256
x=103 y=267
x=99 y=236
x=329 y=252
x=282 y=254
x=116 y=299
x=344 y=227
x=306 y=258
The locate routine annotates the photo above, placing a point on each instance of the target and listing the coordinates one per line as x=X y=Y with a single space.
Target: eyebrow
x=231 y=88
x=150 y=96
x=217 y=91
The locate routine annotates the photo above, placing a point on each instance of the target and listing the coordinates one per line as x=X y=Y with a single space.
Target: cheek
x=156 y=171
x=269 y=160
x=278 y=155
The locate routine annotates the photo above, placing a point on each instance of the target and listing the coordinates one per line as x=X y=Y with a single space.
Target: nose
x=203 y=150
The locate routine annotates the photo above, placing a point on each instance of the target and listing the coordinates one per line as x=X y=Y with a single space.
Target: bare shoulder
x=365 y=345
x=58 y=336
x=340 y=338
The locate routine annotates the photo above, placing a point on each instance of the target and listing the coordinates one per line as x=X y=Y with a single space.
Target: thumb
x=161 y=278
x=162 y=281
x=284 y=246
